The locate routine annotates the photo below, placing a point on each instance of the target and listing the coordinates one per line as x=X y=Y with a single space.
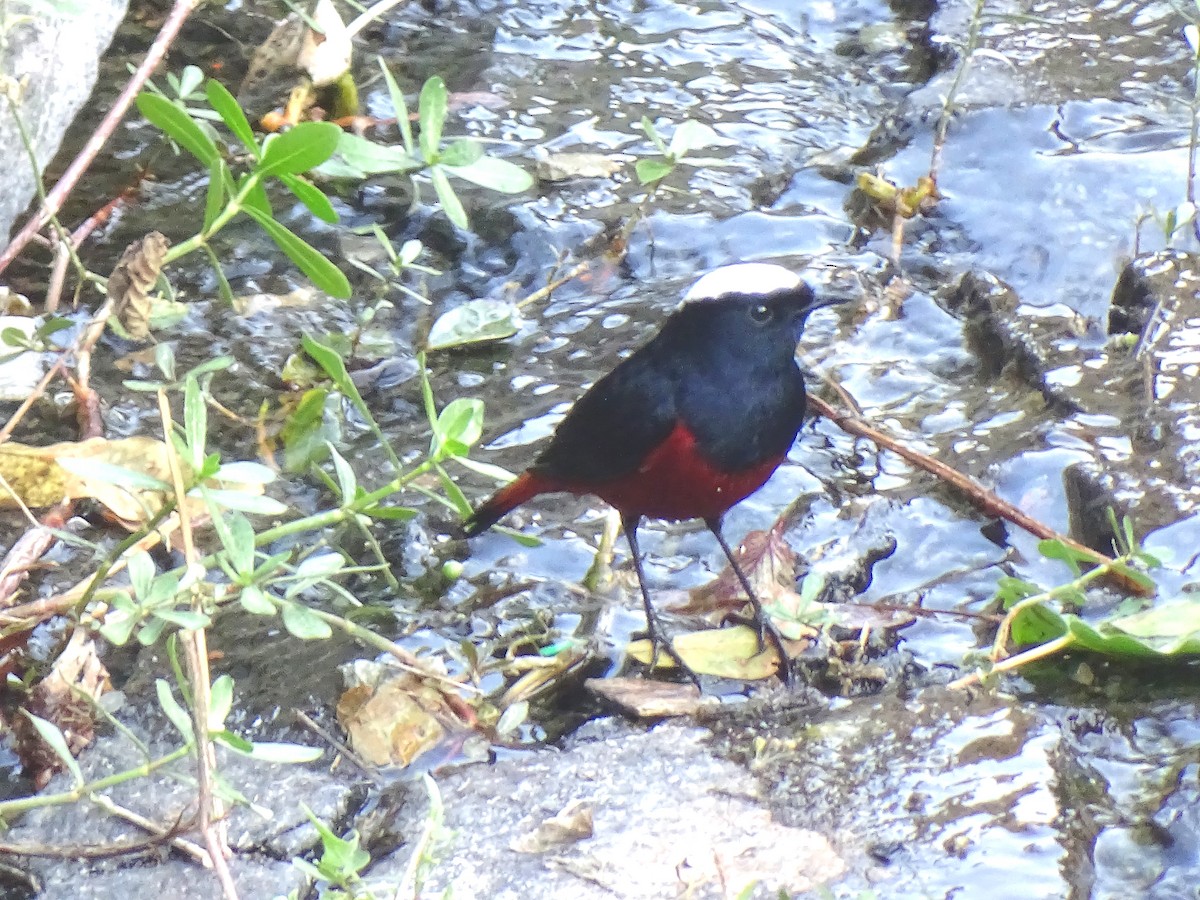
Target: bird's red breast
x=676 y=481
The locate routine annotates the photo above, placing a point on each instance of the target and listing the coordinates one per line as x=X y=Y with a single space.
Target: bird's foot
x=655 y=633
x=767 y=634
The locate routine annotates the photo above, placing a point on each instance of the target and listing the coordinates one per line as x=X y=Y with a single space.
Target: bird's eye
x=760 y=313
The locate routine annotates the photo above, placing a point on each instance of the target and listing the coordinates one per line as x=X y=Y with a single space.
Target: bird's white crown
x=743 y=278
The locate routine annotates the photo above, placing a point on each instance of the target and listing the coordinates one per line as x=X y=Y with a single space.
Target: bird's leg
x=654 y=627
x=766 y=628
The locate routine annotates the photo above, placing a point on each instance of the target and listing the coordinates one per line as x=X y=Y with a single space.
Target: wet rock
x=1138 y=398
x=1041 y=344
x=47 y=96
x=264 y=837
x=931 y=794
x=669 y=816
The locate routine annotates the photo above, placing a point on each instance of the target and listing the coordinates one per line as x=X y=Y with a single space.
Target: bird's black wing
x=612 y=428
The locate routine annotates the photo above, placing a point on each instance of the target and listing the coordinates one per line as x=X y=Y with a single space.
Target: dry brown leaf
x=397 y=720
x=36 y=477
x=770 y=565
x=62 y=697
x=644 y=698
x=571 y=825
x=326 y=56
x=569 y=166
x=132 y=281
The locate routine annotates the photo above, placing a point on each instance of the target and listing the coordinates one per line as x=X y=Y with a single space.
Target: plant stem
x=1002 y=633
x=10 y=808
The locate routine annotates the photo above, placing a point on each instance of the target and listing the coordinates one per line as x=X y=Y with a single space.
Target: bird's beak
x=827 y=300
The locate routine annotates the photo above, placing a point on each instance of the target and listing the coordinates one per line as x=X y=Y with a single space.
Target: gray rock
x=48 y=61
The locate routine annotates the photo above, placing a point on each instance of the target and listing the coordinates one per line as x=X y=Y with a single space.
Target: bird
x=688 y=425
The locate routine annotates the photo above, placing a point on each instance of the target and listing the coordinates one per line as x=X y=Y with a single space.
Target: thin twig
x=27 y=403
x=943 y=125
x=55 y=199
x=211 y=810
x=369 y=15
x=987 y=501
x=554 y=285
x=1041 y=651
x=158 y=833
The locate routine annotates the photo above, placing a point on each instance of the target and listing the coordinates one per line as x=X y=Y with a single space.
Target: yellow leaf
x=725 y=652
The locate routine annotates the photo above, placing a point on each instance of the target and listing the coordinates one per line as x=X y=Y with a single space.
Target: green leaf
x=1010 y=590
x=245 y=472
x=652 y=133
x=453 y=492
x=652 y=170
x=141 y=573
x=215 y=364
x=462 y=152
x=189 y=79
x=232 y=115
x=176 y=713
x=95 y=470
x=324 y=274
x=256 y=601
x=256 y=198
x=347 y=482
x=487 y=470
x=118 y=627
x=390 y=513
x=691 y=135
x=322 y=566
x=475 y=322
x=220 y=702
x=195 y=422
x=183 y=618
x=461 y=420
x=398 y=105
x=525 y=540
x=179 y=126
x=360 y=158
x=311 y=196
x=1170 y=626
x=234 y=742
x=302 y=622
x=151 y=631
x=494 y=174
x=301 y=148
x=237 y=536
x=1037 y=624
x=451 y=205
x=56 y=741
x=242 y=501
x=214 y=199
x=276 y=752
x=431 y=113
x=331 y=363
x=1056 y=549
x=306 y=433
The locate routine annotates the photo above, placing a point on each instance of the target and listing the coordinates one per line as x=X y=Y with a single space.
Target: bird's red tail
x=504 y=501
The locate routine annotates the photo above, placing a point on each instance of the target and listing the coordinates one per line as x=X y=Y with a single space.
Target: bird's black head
x=753 y=307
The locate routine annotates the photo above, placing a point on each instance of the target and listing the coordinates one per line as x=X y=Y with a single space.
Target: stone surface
x=670 y=818
x=48 y=61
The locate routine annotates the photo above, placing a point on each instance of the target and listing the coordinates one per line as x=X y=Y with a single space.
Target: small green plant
x=427 y=156
x=1047 y=621
x=338 y=873
x=688 y=135
x=282 y=158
